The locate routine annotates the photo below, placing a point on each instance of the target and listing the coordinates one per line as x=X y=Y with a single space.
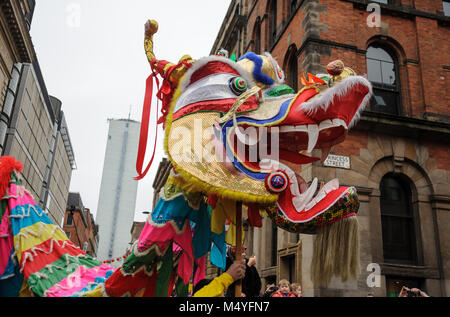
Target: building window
x=273 y=21
x=292 y=68
x=69 y=220
x=446 y=7
x=293 y=7
x=382 y=71
x=397 y=221
x=394 y=284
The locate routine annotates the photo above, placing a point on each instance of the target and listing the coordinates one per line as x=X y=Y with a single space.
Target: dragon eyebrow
x=257 y=70
x=239 y=101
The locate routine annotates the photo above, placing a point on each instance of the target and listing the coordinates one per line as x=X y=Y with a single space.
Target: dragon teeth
x=328 y=187
x=313 y=136
x=303 y=199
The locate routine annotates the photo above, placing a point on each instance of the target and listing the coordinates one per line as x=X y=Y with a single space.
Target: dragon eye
x=238 y=85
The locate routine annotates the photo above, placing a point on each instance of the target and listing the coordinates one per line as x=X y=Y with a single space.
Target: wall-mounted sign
x=339 y=161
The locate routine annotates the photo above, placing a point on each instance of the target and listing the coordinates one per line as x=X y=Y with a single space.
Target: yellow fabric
x=36 y=234
x=230 y=236
x=217 y=286
x=25 y=291
x=217 y=220
x=96 y=292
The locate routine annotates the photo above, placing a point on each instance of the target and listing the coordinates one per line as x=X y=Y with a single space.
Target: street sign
x=339 y=161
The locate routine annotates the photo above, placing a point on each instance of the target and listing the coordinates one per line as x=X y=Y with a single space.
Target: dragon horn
x=162 y=67
x=151 y=27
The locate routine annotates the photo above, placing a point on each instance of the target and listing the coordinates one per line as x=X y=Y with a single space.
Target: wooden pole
x=238 y=285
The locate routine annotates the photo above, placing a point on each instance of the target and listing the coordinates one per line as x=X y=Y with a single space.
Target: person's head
x=284 y=286
x=233 y=250
x=297 y=289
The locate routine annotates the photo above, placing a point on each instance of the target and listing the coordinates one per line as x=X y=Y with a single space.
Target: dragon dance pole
x=238 y=287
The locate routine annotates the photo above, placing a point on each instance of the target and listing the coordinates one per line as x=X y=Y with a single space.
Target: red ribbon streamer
x=164 y=94
x=144 y=129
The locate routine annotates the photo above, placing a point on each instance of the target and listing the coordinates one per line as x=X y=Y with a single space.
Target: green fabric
x=181 y=289
x=134 y=263
x=3 y=205
x=163 y=279
x=55 y=272
x=15 y=179
x=280 y=91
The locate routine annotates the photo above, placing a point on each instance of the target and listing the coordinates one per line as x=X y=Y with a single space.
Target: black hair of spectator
x=200 y=284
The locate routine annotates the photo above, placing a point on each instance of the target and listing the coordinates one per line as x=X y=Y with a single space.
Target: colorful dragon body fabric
x=36 y=256
x=234 y=133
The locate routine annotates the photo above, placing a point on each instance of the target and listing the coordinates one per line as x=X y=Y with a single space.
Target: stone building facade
x=397 y=156
x=32 y=126
x=15 y=47
x=38 y=137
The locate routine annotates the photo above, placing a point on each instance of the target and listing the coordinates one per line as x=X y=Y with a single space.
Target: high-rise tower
x=118 y=190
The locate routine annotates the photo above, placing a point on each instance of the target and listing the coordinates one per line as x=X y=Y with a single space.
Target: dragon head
x=234 y=129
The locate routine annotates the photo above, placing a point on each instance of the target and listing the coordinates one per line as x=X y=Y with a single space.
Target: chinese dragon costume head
x=234 y=132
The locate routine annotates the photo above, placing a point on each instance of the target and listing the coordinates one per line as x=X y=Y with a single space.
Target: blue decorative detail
x=277 y=181
x=257 y=70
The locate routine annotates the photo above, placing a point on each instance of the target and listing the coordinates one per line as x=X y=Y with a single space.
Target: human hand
x=419 y=292
x=237 y=270
x=252 y=261
x=403 y=292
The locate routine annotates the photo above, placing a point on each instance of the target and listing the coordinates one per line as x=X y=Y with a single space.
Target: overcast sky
x=92 y=59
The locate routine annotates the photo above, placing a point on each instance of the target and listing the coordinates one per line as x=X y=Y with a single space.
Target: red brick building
x=79 y=225
x=398 y=154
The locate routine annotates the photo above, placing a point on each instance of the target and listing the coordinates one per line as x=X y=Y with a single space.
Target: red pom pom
x=7 y=165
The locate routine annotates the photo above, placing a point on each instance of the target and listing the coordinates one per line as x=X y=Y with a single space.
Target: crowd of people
x=245 y=270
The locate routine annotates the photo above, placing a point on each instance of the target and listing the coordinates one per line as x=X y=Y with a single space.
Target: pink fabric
x=152 y=234
x=77 y=280
x=161 y=235
x=200 y=273
x=25 y=199
x=6 y=241
x=185 y=265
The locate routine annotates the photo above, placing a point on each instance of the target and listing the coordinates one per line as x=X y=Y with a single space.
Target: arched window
x=292 y=68
x=397 y=220
x=272 y=21
x=257 y=37
x=382 y=71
